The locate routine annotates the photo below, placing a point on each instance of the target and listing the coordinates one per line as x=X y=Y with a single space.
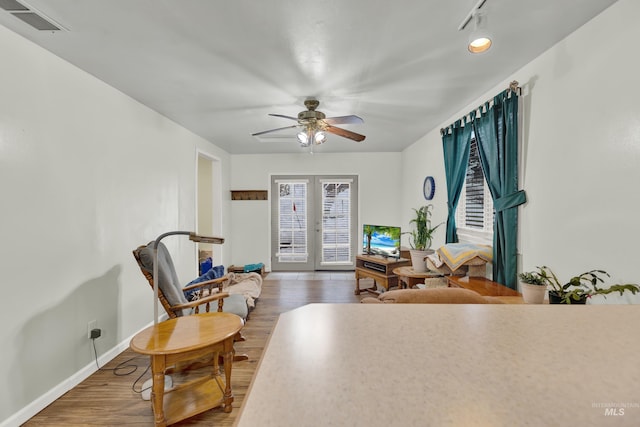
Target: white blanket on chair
x=247 y=284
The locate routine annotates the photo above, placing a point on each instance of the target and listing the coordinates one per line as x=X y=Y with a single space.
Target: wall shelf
x=249 y=195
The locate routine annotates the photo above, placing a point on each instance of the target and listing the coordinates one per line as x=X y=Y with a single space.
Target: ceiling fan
x=314 y=124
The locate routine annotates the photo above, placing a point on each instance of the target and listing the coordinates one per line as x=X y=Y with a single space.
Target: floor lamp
x=194 y=238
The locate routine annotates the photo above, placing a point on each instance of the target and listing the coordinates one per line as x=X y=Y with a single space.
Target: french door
x=313 y=222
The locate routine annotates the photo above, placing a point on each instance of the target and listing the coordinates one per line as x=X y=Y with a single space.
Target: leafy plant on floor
x=582 y=286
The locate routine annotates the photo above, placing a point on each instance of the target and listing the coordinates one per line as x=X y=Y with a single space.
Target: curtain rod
x=513 y=87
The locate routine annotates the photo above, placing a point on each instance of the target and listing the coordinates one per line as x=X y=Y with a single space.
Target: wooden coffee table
x=188 y=338
x=408 y=278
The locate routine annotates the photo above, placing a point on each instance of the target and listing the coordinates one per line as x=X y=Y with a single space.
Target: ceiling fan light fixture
x=303 y=138
x=319 y=137
x=479 y=39
x=310 y=136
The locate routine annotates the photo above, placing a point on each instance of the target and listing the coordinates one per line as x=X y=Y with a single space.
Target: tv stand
x=378 y=268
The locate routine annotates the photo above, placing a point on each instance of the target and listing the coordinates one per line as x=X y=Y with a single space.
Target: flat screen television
x=381 y=240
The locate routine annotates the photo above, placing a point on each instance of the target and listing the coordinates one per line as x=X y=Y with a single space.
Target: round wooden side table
x=188 y=338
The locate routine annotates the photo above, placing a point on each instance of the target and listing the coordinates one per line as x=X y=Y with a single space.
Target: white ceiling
x=218 y=67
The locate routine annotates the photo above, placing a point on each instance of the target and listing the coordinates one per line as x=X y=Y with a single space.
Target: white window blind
x=336 y=222
x=292 y=217
x=475 y=213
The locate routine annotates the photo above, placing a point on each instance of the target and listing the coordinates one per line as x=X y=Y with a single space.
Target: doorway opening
x=208 y=205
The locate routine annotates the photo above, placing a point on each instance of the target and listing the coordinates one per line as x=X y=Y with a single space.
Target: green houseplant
x=533 y=286
x=580 y=287
x=421 y=236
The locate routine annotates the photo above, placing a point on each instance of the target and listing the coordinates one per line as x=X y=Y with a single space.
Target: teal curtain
x=456 y=140
x=496 y=131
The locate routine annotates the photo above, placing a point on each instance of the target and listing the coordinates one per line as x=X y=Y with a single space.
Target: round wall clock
x=429 y=187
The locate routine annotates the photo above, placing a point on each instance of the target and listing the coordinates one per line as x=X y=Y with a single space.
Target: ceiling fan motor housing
x=311 y=115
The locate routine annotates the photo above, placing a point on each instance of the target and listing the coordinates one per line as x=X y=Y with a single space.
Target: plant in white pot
x=534 y=287
x=420 y=238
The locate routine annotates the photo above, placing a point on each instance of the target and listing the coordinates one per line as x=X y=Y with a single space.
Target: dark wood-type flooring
x=106 y=399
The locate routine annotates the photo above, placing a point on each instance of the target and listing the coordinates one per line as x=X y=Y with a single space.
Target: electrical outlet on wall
x=90 y=326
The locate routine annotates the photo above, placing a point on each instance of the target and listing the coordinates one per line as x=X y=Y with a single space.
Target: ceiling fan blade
x=284 y=117
x=345 y=133
x=344 y=120
x=273 y=130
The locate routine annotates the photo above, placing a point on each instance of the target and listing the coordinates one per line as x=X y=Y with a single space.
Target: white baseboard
x=49 y=397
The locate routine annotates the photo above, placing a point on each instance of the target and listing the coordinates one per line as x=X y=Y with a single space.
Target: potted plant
x=581 y=287
x=533 y=286
x=420 y=238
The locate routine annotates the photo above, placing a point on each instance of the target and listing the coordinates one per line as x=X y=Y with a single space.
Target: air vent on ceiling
x=30 y=16
x=36 y=21
x=12 y=5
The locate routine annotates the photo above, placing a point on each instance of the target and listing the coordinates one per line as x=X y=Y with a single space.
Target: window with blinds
x=292 y=217
x=336 y=222
x=475 y=212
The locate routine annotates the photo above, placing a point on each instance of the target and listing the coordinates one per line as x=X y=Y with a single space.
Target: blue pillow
x=205 y=265
x=213 y=273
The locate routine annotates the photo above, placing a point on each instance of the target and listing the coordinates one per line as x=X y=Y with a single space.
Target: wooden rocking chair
x=171 y=293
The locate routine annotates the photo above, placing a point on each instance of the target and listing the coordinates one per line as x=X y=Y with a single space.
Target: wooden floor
x=107 y=399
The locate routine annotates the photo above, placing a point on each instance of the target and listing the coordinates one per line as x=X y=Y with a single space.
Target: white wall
x=86 y=175
x=422 y=159
x=379 y=186
x=581 y=151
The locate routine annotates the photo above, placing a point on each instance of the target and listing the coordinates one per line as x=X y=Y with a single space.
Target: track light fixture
x=479 y=39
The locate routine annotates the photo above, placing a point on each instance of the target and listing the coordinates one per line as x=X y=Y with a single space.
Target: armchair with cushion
x=432 y=296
